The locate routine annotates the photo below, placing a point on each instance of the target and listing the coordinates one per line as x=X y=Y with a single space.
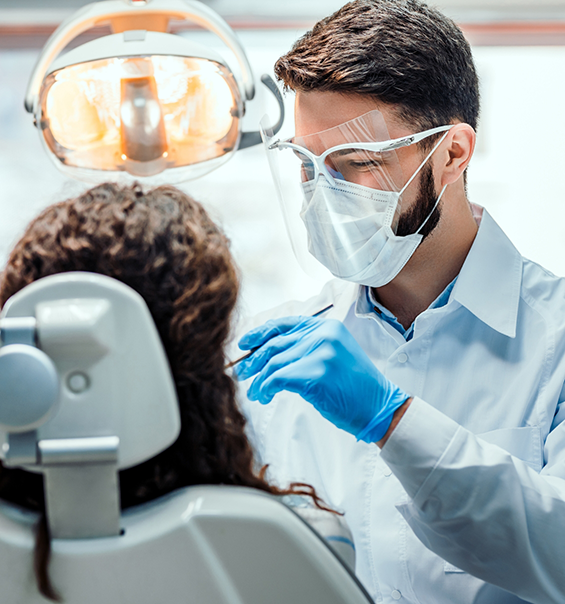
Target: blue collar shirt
x=367 y=303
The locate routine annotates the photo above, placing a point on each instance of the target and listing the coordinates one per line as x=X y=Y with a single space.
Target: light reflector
x=141 y=115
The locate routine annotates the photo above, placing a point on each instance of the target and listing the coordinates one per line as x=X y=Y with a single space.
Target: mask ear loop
x=423 y=164
x=433 y=210
x=414 y=176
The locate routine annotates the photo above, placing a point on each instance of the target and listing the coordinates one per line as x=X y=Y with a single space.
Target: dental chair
x=85 y=391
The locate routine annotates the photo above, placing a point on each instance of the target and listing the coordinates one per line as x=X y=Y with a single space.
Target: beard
x=413 y=219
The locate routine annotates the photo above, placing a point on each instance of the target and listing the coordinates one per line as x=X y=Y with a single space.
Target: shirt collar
x=489 y=282
x=367 y=303
x=363 y=302
x=490 y=279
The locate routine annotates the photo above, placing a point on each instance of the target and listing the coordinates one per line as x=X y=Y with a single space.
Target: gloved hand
x=321 y=361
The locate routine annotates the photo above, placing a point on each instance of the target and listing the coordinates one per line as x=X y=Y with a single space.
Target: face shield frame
x=133 y=18
x=318 y=161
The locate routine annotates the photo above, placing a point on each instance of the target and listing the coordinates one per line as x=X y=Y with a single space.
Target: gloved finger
x=274 y=327
x=286 y=358
x=294 y=377
x=257 y=361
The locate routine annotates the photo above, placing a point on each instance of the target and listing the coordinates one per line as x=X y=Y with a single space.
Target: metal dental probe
x=248 y=354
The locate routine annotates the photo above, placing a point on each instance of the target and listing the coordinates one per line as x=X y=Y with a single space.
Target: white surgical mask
x=350 y=229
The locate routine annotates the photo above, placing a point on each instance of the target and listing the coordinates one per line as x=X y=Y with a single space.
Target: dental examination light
x=142 y=101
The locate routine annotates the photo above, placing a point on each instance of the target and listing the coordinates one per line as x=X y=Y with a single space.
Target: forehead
x=316 y=111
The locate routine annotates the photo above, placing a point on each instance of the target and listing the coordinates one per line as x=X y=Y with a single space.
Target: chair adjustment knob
x=29 y=388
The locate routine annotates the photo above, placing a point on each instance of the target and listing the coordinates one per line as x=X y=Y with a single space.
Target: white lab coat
x=475 y=471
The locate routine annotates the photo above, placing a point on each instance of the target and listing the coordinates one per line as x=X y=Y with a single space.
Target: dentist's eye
x=355 y=161
x=365 y=165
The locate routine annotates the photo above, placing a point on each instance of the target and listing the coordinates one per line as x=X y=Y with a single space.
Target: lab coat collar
x=490 y=280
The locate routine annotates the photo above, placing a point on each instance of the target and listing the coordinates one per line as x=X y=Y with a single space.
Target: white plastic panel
x=114 y=374
x=211 y=545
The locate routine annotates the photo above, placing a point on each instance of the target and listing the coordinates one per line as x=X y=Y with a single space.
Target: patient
x=162 y=244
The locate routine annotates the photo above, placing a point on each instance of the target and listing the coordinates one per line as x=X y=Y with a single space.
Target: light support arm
x=250 y=139
x=101 y=13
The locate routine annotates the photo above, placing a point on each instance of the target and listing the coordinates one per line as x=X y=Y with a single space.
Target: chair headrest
x=81 y=358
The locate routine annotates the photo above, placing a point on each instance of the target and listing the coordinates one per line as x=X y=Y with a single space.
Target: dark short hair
x=401 y=52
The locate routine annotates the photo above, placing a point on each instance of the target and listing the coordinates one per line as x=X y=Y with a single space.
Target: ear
x=455 y=153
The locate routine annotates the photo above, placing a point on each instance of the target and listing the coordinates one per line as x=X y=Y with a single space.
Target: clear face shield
x=340 y=192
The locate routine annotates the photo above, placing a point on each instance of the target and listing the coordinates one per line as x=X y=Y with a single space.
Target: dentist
x=428 y=403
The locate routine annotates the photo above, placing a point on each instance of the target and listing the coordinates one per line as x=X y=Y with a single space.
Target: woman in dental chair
x=163 y=245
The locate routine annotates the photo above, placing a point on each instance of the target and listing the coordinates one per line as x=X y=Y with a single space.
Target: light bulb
x=142 y=128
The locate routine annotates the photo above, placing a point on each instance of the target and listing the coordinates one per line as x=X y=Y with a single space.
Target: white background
x=517 y=173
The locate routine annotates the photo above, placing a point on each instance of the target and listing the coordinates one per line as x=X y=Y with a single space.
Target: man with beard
x=441 y=364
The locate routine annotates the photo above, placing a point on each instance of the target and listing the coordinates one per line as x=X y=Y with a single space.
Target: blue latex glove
x=322 y=362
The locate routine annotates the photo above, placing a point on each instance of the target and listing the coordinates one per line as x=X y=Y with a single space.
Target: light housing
x=141 y=102
x=158 y=102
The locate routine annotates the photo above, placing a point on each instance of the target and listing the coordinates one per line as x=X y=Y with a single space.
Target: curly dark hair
x=163 y=244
